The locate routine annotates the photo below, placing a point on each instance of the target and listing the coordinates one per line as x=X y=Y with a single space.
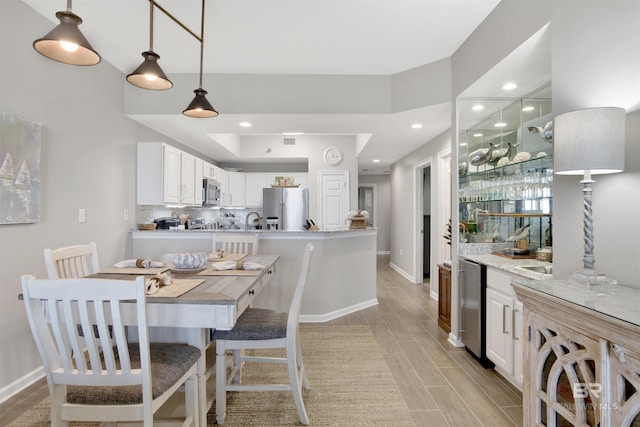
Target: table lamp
x=589 y=142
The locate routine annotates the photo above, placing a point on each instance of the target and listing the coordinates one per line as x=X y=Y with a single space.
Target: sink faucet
x=246 y=220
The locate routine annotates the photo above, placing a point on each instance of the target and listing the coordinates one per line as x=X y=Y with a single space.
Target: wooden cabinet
x=444 y=297
x=582 y=355
x=504 y=326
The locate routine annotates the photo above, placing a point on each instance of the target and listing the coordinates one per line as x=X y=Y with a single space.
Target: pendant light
x=66 y=43
x=149 y=75
x=200 y=107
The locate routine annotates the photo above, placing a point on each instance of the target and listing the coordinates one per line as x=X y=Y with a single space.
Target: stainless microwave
x=211 y=189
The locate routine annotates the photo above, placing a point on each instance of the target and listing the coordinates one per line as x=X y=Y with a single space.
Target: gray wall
x=87 y=161
x=595 y=61
x=404 y=207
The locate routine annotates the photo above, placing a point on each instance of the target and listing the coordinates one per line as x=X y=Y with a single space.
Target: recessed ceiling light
x=463 y=144
x=293 y=133
x=478 y=107
x=500 y=125
x=528 y=108
x=244 y=124
x=477 y=135
x=509 y=86
x=416 y=126
x=376 y=160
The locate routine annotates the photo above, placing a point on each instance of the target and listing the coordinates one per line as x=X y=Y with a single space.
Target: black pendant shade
x=149 y=75
x=66 y=44
x=200 y=107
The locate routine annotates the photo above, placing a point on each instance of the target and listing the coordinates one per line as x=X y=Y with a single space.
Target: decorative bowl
x=189 y=260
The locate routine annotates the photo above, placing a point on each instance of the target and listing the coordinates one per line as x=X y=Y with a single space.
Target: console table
x=582 y=356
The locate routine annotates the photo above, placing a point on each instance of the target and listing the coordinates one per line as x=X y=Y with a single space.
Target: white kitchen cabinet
x=504 y=326
x=171 y=168
x=187 y=179
x=208 y=170
x=255 y=183
x=236 y=189
x=199 y=188
x=158 y=174
x=222 y=176
x=167 y=175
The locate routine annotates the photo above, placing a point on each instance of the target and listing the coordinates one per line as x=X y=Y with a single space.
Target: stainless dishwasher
x=473 y=285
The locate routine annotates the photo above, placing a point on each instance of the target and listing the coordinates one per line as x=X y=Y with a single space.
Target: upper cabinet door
x=236 y=189
x=199 y=187
x=187 y=179
x=171 y=166
x=254 y=184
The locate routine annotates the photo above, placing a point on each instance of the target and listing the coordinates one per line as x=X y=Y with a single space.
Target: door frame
x=440 y=202
x=375 y=200
x=418 y=214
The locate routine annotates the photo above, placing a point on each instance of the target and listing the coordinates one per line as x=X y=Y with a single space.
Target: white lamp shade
x=589 y=140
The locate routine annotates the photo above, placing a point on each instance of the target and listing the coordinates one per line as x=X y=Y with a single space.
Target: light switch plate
x=81 y=216
x=126 y=215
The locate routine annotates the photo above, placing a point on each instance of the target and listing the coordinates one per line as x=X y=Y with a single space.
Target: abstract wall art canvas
x=20 y=144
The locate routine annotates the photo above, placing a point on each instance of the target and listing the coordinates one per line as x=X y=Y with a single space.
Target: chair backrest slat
x=236 y=243
x=72 y=261
x=95 y=305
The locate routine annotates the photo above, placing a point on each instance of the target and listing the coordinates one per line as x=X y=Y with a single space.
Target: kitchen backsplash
x=214 y=217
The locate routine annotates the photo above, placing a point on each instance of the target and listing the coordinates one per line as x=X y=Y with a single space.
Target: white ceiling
x=349 y=37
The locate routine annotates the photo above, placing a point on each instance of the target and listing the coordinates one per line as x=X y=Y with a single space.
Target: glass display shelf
x=538 y=164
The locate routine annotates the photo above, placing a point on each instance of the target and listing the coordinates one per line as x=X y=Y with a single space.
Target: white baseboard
x=434 y=295
x=321 y=318
x=20 y=384
x=455 y=341
x=402 y=272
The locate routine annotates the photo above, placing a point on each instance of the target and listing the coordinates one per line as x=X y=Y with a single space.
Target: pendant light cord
x=201 y=41
x=151 y=3
x=69 y=6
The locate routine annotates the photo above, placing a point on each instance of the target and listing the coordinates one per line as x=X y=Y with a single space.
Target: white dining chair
x=114 y=380
x=72 y=261
x=259 y=329
x=236 y=243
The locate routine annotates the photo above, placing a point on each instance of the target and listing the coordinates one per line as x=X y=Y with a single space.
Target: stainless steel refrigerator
x=284 y=208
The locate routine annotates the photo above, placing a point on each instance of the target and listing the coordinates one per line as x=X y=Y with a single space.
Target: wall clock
x=332 y=156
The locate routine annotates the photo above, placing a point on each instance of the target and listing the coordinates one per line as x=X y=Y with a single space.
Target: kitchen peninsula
x=342 y=278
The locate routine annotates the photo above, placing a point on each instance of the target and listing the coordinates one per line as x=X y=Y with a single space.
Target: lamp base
x=587 y=278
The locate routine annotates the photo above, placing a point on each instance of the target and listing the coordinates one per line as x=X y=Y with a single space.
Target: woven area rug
x=351 y=385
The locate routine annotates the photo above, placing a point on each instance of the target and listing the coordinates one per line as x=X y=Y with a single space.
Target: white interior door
x=334 y=199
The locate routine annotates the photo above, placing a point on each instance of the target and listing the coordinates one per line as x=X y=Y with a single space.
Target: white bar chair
x=258 y=329
x=236 y=243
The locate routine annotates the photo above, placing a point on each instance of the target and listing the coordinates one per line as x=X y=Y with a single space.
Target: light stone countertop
x=510 y=265
x=620 y=302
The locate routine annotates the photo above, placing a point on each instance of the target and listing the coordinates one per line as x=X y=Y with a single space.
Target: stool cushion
x=256 y=324
x=168 y=363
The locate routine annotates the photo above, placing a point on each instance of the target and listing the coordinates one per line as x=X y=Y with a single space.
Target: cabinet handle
x=513 y=322
x=504 y=319
x=252 y=292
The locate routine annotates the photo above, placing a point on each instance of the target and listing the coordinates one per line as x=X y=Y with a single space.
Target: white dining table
x=214 y=304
